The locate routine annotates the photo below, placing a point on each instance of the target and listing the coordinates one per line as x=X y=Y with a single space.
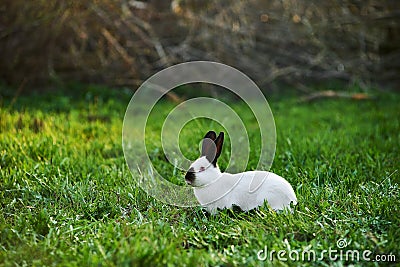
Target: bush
x=122 y=43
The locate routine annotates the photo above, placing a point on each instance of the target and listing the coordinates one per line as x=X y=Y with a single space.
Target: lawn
x=67 y=197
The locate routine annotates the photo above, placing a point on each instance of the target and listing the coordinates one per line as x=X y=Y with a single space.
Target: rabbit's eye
x=202 y=169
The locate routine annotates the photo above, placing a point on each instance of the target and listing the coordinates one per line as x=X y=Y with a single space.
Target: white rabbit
x=247 y=190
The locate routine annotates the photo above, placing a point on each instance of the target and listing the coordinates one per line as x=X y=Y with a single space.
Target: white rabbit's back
x=247 y=190
x=278 y=192
x=260 y=186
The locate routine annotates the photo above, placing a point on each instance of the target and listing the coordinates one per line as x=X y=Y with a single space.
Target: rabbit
x=248 y=190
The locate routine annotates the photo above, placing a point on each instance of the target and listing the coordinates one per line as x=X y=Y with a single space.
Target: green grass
x=67 y=197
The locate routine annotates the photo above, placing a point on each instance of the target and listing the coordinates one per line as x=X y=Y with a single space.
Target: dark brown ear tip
x=211 y=135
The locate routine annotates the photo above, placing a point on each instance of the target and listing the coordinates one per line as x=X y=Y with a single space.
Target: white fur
x=248 y=190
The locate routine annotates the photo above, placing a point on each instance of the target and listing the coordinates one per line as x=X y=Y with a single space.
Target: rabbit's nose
x=189 y=177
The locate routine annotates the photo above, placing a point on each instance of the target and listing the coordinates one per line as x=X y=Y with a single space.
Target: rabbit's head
x=204 y=170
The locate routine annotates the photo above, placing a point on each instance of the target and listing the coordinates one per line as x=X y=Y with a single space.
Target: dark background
x=279 y=44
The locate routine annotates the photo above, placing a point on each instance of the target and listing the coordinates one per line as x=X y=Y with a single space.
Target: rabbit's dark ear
x=211 y=135
x=218 y=143
x=208 y=148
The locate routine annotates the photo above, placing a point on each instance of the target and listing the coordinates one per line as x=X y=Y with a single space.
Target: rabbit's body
x=248 y=190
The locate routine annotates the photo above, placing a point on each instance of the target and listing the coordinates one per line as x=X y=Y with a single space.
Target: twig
x=19 y=90
x=120 y=50
x=333 y=94
x=174 y=97
x=153 y=38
